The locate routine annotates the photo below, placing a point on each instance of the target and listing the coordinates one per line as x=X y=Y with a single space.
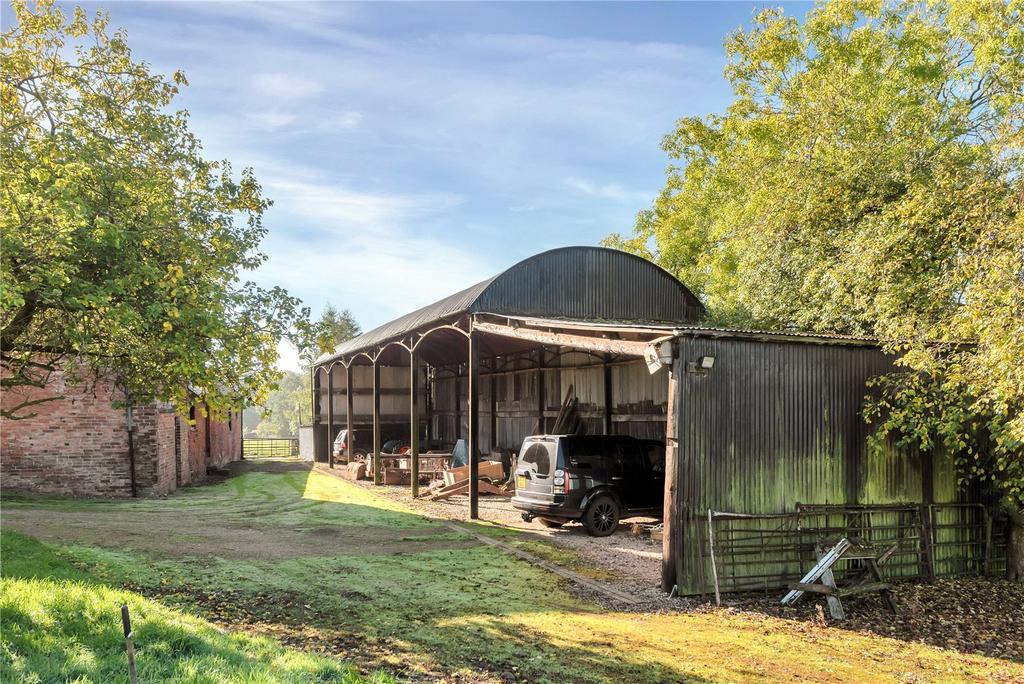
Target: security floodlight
x=701 y=366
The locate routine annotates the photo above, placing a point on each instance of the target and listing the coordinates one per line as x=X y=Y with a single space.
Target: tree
x=335 y=327
x=282 y=412
x=123 y=248
x=867 y=178
x=290 y=403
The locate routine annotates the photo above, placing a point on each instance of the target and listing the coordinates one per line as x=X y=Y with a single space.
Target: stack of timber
x=568 y=421
x=456 y=481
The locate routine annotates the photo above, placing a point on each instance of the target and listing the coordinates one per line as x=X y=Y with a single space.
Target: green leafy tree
x=290 y=405
x=123 y=248
x=335 y=327
x=867 y=178
x=282 y=416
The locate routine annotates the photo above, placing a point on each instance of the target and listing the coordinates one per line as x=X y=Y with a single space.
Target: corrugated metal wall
x=590 y=283
x=638 y=400
x=774 y=425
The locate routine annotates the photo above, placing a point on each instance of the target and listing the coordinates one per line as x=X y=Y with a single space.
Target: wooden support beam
x=377 y=476
x=458 y=411
x=429 y=399
x=493 y=382
x=314 y=400
x=473 y=437
x=330 y=417
x=349 y=437
x=598 y=344
x=670 y=549
x=414 y=425
x=541 y=427
x=607 y=399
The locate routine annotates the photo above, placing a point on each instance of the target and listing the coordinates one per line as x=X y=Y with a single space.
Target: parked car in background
x=595 y=479
x=340 y=444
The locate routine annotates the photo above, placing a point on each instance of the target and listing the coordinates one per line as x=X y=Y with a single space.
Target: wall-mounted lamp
x=701 y=366
x=658 y=355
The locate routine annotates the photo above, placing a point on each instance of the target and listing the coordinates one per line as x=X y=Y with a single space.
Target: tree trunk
x=1015 y=545
x=1015 y=553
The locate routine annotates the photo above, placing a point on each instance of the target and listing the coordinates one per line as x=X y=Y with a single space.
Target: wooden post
x=458 y=406
x=607 y=398
x=314 y=379
x=349 y=403
x=711 y=550
x=428 y=389
x=671 y=525
x=473 y=438
x=541 y=428
x=330 y=416
x=493 y=382
x=414 y=425
x=377 y=474
x=129 y=644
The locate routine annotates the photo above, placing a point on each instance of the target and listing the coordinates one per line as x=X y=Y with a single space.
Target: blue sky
x=412 y=150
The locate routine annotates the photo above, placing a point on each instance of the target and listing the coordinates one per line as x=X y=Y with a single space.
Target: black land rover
x=597 y=479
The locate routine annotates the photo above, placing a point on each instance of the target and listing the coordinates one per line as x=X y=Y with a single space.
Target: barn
x=766 y=447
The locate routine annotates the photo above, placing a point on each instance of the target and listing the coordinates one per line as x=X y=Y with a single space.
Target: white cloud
x=285 y=86
x=270 y=120
x=362 y=250
x=611 y=191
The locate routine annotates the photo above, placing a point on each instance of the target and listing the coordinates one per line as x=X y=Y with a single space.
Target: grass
x=60 y=624
x=393 y=589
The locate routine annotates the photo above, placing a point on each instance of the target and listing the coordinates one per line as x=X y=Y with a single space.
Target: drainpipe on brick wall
x=130 y=414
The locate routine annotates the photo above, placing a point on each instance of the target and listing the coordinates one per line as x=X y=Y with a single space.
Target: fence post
x=126 y=624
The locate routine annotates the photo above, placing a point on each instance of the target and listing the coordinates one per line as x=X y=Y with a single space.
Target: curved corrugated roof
x=571 y=283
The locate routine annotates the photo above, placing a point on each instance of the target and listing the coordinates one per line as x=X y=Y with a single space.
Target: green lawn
x=61 y=624
x=322 y=564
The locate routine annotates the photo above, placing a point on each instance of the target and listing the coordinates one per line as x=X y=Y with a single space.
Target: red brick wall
x=225 y=440
x=78 y=444
x=75 y=445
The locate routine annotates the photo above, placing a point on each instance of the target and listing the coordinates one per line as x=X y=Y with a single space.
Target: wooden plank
x=670 y=509
x=824 y=563
x=457 y=488
x=813 y=588
x=835 y=606
x=598 y=344
x=865 y=588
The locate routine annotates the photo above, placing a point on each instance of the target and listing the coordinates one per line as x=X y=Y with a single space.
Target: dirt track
x=166 y=527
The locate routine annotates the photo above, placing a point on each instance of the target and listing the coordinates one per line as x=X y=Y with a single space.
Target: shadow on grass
x=385 y=586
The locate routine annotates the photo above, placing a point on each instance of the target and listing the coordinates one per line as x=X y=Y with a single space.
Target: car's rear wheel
x=601 y=517
x=550 y=522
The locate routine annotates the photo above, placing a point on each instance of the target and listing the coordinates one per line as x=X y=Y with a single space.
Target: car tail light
x=561 y=479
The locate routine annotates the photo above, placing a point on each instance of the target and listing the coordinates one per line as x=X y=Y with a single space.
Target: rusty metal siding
x=777 y=424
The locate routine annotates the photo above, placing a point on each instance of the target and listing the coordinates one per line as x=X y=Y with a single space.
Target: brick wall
x=77 y=444
x=225 y=440
x=195 y=429
x=74 y=445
